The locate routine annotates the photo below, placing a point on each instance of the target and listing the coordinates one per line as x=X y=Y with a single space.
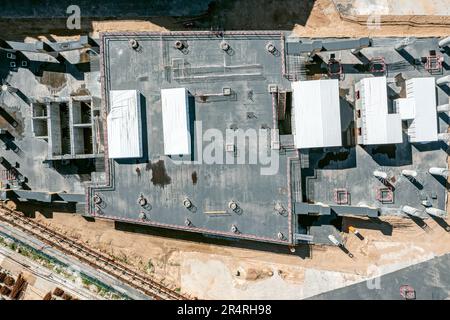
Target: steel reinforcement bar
x=89 y=256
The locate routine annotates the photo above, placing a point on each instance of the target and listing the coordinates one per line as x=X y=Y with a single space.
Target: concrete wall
x=54 y=141
x=81 y=125
x=48 y=126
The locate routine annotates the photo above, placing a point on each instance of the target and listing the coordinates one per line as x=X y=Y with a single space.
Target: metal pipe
x=409 y=173
x=8 y=88
x=444 y=42
x=380 y=174
x=410 y=210
x=443 y=108
x=439 y=171
x=401 y=45
x=334 y=240
x=444 y=136
x=436 y=212
x=443 y=80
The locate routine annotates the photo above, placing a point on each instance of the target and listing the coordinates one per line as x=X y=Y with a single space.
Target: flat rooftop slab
x=205 y=70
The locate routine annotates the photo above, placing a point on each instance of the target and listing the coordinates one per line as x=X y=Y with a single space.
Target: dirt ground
x=222 y=272
x=325 y=21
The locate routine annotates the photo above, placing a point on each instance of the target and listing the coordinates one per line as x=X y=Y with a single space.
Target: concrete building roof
x=377 y=124
x=165 y=181
x=419 y=109
x=175 y=116
x=317 y=114
x=124 y=125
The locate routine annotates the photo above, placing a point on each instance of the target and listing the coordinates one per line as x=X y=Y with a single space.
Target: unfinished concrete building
x=245 y=135
x=70 y=126
x=52 y=126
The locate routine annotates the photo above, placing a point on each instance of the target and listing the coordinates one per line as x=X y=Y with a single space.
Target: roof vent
x=230 y=147
x=142 y=201
x=142 y=215
x=225 y=46
x=179 y=45
x=97 y=199
x=226 y=91
x=234 y=228
x=187 y=203
x=279 y=208
x=233 y=205
x=133 y=44
x=271 y=48
x=273 y=88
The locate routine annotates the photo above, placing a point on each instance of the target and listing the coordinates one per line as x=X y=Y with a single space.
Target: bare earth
x=324 y=21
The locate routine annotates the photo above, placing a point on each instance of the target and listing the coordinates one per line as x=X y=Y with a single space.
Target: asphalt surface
x=429 y=279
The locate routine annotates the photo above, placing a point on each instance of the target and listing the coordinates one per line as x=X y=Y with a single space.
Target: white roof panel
x=124 y=124
x=176 y=126
x=424 y=127
x=379 y=126
x=317 y=114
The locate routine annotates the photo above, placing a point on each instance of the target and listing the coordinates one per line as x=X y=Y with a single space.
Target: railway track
x=89 y=256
